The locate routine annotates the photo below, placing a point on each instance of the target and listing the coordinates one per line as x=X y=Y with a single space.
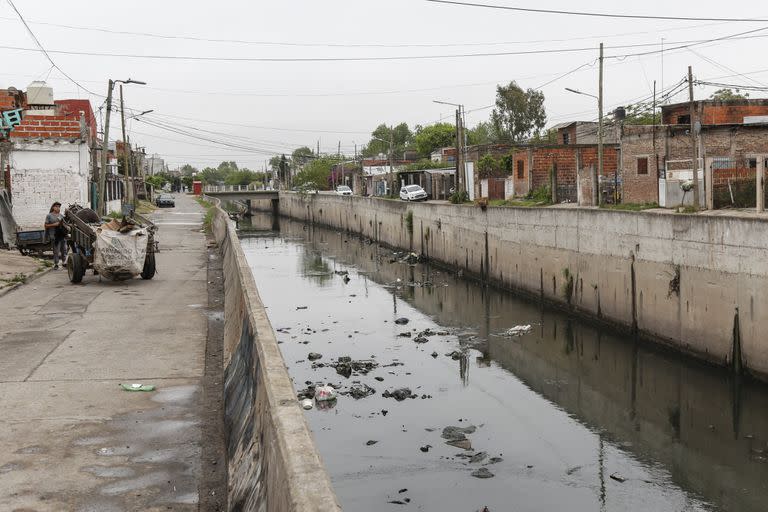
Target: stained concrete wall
x=273 y=462
x=676 y=279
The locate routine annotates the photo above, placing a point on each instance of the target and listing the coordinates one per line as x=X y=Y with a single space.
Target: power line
x=595 y=14
x=43 y=50
x=682 y=45
x=340 y=45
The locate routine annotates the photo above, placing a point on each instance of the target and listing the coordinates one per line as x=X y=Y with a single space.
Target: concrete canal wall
x=273 y=462
x=696 y=283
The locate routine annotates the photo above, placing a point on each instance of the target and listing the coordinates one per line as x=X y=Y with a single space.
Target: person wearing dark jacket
x=57 y=233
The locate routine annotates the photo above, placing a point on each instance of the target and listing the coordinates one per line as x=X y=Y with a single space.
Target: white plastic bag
x=120 y=255
x=325 y=393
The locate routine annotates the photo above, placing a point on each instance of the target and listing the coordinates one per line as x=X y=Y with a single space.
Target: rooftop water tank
x=39 y=95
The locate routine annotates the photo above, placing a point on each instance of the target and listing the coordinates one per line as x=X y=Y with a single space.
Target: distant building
x=155 y=164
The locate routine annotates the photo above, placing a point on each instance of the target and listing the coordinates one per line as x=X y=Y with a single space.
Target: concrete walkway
x=70 y=438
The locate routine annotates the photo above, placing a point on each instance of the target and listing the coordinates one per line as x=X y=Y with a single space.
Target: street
x=71 y=438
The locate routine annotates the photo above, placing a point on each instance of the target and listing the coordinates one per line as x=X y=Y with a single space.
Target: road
x=70 y=438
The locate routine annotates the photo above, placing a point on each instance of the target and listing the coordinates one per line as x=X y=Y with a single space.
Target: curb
x=33 y=277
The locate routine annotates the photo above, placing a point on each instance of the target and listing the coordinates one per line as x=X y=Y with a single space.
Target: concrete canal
x=564 y=416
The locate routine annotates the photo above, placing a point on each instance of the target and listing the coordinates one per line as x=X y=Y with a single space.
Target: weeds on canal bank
x=208 y=218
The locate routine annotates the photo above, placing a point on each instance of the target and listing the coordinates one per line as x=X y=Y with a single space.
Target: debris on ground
x=137 y=387
x=457 y=433
x=314 y=356
x=306 y=404
x=425 y=448
x=434 y=354
x=325 y=393
x=455 y=355
x=618 y=478
x=371 y=443
x=301 y=307
x=399 y=394
x=482 y=473
x=420 y=339
x=406 y=334
x=478 y=457
x=402 y=321
x=495 y=460
x=345 y=366
x=308 y=392
x=380 y=379
x=464 y=444
x=358 y=391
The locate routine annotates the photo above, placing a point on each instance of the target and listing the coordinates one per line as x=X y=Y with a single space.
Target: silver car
x=343 y=190
x=412 y=193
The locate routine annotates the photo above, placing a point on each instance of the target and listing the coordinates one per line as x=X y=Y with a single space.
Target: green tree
x=243 y=177
x=302 y=155
x=728 y=94
x=482 y=133
x=429 y=138
x=188 y=170
x=380 y=137
x=519 y=114
x=316 y=173
x=211 y=176
x=488 y=166
x=639 y=113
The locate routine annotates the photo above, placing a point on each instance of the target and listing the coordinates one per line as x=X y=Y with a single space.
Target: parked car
x=343 y=190
x=413 y=193
x=165 y=200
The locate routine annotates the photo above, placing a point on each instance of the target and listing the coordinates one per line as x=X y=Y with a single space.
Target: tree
x=482 y=133
x=243 y=177
x=302 y=155
x=283 y=169
x=518 y=114
x=728 y=94
x=316 y=173
x=380 y=137
x=641 y=113
x=429 y=138
x=211 y=176
x=188 y=170
x=488 y=166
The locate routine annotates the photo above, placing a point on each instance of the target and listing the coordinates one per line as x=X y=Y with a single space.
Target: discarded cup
x=306 y=404
x=137 y=387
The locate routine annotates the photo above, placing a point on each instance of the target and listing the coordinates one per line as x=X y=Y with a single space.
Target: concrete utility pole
x=391 y=161
x=102 y=204
x=126 y=153
x=692 y=114
x=596 y=185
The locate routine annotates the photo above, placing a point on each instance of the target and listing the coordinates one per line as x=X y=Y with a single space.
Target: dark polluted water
x=565 y=416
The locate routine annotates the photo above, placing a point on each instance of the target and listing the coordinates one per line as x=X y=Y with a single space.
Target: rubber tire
x=75 y=268
x=148 y=272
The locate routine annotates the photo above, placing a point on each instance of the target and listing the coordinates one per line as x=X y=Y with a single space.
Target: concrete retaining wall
x=273 y=462
x=696 y=283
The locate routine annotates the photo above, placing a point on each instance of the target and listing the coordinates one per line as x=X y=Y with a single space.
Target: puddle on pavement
x=569 y=416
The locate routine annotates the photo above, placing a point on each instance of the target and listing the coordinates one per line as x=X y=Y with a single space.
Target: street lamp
x=102 y=205
x=595 y=175
x=460 y=147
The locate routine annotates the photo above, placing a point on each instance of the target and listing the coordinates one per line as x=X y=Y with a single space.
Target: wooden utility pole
x=102 y=204
x=338 y=157
x=457 y=187
x=126 y=153
x=655 y=153
x=694 y=149
x=596 y=184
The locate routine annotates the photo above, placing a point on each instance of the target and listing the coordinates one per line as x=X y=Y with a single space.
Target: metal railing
x=233 y=188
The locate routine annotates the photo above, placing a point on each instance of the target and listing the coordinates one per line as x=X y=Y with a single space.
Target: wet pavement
x=561 y=417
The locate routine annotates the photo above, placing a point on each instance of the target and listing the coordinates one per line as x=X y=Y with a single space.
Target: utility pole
x=126 y=153
x=693 y=139
x=102 y=205
x=391 y=161
x=457 y=186
x=655 y=153
x=338 y=157
x=596 y=184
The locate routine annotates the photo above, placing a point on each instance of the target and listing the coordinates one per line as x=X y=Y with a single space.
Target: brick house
x=533 y=166
x=656 y=159
x=49 y=152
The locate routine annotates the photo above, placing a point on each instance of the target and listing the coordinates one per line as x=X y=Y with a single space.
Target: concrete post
x=710 y=200
x=760 y=176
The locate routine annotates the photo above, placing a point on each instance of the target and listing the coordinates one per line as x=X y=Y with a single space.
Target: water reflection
x=708 y=431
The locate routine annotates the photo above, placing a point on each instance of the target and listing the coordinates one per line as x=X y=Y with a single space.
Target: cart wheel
x=75 y=268
x=149 y=266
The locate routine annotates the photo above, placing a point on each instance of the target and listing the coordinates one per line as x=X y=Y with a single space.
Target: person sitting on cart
x=57 y=233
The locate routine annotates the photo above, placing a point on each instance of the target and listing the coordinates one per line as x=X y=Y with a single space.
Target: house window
x=520 y=170
x=686 y=119
x=566 y=138
x=642 y=165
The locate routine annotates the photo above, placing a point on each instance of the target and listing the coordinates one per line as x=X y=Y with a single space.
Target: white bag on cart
x=118 y=255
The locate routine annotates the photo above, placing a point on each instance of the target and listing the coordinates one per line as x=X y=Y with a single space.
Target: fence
x=231 y=188
x=734 y=182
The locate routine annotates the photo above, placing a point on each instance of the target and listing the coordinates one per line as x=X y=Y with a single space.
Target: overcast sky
x=294 y=103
